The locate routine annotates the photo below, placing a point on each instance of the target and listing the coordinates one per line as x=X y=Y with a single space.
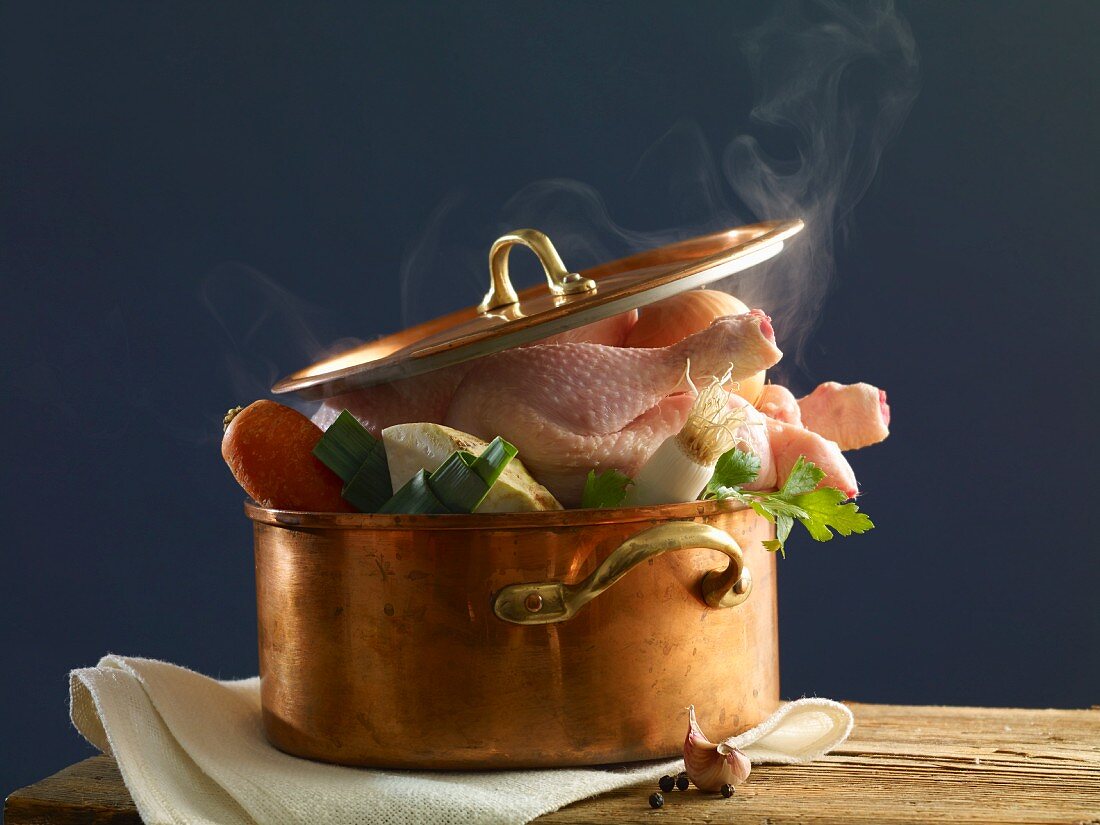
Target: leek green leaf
x=415 y=497
x=491 y=463
x=370 y=488
x=345 y=445
x=415 y=446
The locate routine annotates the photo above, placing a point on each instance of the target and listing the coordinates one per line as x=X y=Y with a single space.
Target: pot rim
x=488 y=521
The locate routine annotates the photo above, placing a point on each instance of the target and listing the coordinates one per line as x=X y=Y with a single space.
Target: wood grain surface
x=902 y=765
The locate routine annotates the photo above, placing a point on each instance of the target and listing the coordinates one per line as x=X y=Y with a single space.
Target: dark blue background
x=149 y=151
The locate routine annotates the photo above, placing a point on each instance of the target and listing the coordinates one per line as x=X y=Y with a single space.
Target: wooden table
x=902 y=764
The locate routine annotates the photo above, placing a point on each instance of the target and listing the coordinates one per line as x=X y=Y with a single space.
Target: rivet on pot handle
x=560 y=279
x=548 y=602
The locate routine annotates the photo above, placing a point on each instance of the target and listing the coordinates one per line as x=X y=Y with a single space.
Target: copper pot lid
x=506 y=319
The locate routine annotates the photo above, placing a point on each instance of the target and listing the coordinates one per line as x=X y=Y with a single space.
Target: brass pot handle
x=560 y=279
x=548 y=602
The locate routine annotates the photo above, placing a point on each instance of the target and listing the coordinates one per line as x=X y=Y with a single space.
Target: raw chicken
x=789 y=441
x=579 y=400
x=779 y=403
x=425 y=398
x=853 y=415
x=753 y=437
x=419 y=398
x=570 y=408
x=778 y=446
x=789 y=437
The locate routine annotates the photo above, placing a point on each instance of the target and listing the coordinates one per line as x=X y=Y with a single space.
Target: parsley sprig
x=820 y=511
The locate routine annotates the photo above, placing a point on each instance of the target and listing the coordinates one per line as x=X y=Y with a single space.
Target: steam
x=840 y=86
x=833 y=85
x=262 y=327
x=428 y=259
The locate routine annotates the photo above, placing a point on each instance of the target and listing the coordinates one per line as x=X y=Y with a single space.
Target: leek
x=350 y=451
x=415 y=497
x=684 y=462
x=370 y=488
x=345 y=445
x=459 y=485
x=491 y=463
x=415 y=446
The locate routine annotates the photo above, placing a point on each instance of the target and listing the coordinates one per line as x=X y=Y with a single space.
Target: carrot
x=269 y=449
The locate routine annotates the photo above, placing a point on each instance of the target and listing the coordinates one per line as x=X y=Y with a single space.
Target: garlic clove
x=710 y=766
x=738 y=763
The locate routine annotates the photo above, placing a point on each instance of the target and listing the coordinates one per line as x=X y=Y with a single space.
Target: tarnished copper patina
x=381 y=643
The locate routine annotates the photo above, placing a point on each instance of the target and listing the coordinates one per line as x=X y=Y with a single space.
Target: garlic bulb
x=709 y=766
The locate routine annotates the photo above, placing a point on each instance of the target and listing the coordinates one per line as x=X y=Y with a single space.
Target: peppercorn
x=667 y=783
x=727 y=790
x=656 y=800
x=682 y=781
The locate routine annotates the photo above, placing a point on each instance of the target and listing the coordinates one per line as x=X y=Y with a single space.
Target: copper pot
x=509 y=640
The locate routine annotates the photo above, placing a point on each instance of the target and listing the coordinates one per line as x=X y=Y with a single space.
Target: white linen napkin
x=192 y=750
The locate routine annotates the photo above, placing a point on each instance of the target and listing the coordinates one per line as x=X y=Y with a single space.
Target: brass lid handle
x=548 y=602
x=561 y=281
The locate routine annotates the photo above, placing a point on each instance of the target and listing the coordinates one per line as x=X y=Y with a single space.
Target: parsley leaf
x=825 y=509
x=734 y=469
x=804 y=476
x=779 y=512
x=608 y=489
x=783 y=524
